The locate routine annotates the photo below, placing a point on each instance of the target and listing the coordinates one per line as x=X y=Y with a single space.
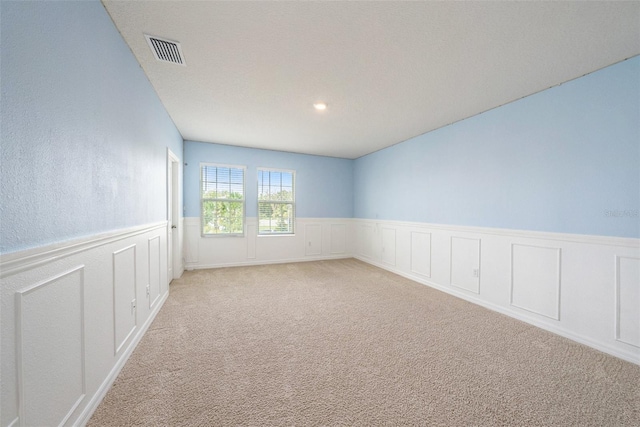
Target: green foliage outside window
x=276 y=202
x=222 y=198
x=223 y=217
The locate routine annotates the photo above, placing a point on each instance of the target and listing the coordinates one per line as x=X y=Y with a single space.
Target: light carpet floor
x=343 y=343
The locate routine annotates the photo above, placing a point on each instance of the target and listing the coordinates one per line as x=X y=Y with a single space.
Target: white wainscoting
x=314 y=239
x=465 y=263
x=536 y=279
x=388 y=249
x=51 y=379
x=586 y=288
x=72 y=313
x=628 y=300
x=339 y=234
x=154 y=285
x=177 y=273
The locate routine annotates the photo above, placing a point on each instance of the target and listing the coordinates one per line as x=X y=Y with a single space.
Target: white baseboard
x=266 y=262
x=93 y=404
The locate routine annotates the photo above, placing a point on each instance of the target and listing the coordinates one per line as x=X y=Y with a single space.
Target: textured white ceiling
x=388 y=70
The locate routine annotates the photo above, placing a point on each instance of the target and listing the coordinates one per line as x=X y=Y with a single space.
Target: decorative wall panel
x=338 y=239
x=313 y=239
x=51 y=353
x=421 y=253
x=252 y=232
x=389 y=246
x=465 y=263
x=535 y=279
x=154 y=270
x=365 y=240
x=124 y=296
x=628 y=300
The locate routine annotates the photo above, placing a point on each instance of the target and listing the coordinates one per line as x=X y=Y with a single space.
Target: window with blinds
x=276 y=201
x=222 y=199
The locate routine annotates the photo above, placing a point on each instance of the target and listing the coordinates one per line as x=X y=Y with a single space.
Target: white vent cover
x=166 y=50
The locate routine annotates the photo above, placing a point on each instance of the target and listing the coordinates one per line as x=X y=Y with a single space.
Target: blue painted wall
x=324 y=185
x=564 y=160
x=84 y=135
x=84 y=140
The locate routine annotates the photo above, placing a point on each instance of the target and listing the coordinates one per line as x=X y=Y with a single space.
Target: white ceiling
x=388 y=70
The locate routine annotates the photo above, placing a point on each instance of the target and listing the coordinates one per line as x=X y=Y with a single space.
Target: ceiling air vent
x=166 y=50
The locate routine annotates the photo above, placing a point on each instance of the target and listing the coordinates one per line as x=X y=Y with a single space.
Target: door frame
x=174 y=195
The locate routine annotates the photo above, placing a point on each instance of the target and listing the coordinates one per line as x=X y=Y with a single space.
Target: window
x=222 y=199
x=276 y=202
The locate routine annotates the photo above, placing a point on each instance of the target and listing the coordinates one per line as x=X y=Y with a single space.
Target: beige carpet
x=342 y=343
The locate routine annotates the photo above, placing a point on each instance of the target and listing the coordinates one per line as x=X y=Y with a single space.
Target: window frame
x=202 y=165
x=292 y=203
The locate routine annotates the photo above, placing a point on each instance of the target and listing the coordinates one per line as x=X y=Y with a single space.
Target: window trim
x=244 y=200
x=292 y=203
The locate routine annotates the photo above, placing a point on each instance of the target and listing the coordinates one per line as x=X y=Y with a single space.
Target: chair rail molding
x=78 y=303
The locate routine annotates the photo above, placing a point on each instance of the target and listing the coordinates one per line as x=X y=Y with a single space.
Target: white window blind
x=222 y=199
x=276 y=201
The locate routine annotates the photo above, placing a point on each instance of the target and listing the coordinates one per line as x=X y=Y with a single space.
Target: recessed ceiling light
x=320 y=106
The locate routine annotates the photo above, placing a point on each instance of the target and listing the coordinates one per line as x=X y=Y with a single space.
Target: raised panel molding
x=465 y=264
x=365 y=241
x=192 y=237
x=330 y=238
x=338 y=239
x=154 y=284
x=628 y=300
x=57 y=323
x=124 y=296
x=313 y=239
x=388 y=255
x=535 y=279
x=252 y=232
x=50 y=346
x=421 y=253
x=574 y=269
